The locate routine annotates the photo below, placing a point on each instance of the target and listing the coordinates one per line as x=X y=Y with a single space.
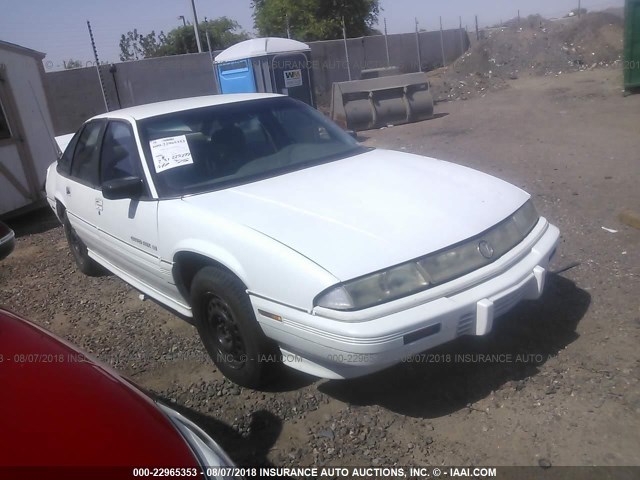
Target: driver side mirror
x=127 y=187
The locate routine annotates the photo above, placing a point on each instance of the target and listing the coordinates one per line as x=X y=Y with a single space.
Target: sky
x=59 y=28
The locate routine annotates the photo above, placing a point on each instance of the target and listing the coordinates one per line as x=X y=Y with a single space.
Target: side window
x=119 y=156
x=87 y=155
x=64 y=164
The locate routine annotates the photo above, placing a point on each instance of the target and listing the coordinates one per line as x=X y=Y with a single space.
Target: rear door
x=81 y=186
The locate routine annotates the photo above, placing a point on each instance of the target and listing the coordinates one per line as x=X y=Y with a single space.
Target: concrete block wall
x=75 y=95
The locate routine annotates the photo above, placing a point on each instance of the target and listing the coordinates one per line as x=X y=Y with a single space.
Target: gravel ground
x=562 y=386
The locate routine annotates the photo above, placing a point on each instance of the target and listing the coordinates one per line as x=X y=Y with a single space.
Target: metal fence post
x=477 y=31
x=444 y=63
x=461 y=39
x=418 y=46
x=95 y=55
x=346 y=48
x=386 y=43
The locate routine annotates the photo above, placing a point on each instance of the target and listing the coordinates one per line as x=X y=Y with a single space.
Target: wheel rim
x=222 y=332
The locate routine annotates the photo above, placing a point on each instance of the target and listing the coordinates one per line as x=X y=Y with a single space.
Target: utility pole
x=579 y=8
x=95 y=55
x=477 y=30
x=184 y=21
x=195 y=26
x=286 y=17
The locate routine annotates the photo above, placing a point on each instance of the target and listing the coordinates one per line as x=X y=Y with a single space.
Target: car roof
x=140 y=112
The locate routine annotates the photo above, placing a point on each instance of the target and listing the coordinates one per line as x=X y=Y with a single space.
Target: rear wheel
x=85 y=264
x=228 y=328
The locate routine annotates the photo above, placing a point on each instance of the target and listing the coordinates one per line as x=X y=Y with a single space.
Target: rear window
x=64 y=163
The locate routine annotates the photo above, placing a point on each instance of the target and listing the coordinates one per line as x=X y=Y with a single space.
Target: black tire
x=85 y=264
x=229 y=330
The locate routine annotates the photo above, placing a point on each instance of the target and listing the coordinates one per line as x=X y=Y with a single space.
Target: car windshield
x=209 y=148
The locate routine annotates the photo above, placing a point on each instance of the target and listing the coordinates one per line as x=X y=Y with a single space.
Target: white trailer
x=27 y=146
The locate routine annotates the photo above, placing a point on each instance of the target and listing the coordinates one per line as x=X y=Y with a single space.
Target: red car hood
x=60 y=408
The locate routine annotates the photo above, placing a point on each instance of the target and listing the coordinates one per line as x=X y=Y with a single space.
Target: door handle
x=68 y=190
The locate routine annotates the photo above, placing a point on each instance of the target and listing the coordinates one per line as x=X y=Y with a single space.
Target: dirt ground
x=531 y=46
x=565 y=389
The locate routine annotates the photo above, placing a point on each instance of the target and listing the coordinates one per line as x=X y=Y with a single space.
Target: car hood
x=370 y=211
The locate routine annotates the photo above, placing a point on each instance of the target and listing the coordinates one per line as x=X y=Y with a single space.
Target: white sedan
x=284 y=240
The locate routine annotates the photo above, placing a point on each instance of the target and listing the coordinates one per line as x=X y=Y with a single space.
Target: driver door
x=128 y=226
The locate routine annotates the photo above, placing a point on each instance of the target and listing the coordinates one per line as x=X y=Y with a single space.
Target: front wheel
x=228 y=328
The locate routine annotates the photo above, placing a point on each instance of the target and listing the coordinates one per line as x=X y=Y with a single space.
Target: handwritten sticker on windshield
x=170 y=152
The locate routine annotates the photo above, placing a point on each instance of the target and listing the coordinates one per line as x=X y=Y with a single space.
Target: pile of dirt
x=533 y=46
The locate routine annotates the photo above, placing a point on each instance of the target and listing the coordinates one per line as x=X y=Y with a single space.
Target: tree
x=134 y=46
x=315 y=19
x=223 y=32
x=71 y=63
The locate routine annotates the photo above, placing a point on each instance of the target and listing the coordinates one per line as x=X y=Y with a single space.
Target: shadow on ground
x=250 y=450
x=36 y=221
x=450 y=377
x=285 y=379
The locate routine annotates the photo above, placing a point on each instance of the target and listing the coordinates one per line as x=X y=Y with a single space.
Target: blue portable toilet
x=271 y=65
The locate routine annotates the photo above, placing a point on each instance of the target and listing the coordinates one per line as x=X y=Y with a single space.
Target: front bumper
x=353 y=344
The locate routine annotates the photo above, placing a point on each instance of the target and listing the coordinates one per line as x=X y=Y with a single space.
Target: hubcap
x=223 y=331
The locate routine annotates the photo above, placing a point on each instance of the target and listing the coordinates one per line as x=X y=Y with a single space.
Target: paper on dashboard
x=170 y=152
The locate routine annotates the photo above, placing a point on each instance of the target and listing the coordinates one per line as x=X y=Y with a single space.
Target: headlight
x=434 y=269
x=208 y=452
